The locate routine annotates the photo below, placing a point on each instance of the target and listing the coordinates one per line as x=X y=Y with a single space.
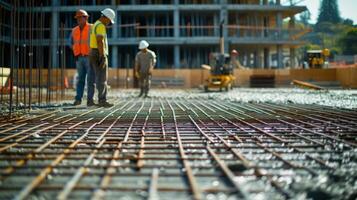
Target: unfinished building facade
x=182 y=32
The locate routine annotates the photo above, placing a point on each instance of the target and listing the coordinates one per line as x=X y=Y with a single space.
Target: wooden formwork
x=192 y=78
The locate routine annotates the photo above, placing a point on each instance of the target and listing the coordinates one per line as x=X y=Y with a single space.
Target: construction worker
x=145 y=61
x=99 y=54
x=80 y=47
x=234 y=60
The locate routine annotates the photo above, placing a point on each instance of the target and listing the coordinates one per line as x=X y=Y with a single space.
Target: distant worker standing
x=99 y=54
x=234 y=60
x=145 y=62
x=80 y=47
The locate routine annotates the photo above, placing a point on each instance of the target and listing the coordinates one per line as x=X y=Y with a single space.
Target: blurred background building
x=182 y=32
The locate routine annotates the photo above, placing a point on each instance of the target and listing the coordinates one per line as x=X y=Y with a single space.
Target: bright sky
x=348 y=9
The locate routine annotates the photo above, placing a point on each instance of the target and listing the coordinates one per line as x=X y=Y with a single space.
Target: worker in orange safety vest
x=80 y=47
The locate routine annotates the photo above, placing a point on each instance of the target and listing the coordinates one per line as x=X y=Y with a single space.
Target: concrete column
x=266 y=32
x=54 y=34
x=279 y=50
x=244 y=61
x=245 y=58
x=256 y=59
x=176 y=35
x=260 y=56
x=177 y=56
x=224 y=17
x=249 y=59
x=216 y=23
x=266 y=58
x=238 y=30
x=114 y=53
x=292 y=49
x=278 y=2
x=114 y=56
x=279 y=24
x=292 y=57
x=176 y=23
x=118 y=23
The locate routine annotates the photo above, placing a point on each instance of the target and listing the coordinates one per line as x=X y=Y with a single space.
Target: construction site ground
x=185 y=144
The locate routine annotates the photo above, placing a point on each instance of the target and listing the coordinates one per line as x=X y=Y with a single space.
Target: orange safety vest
x=80 y=38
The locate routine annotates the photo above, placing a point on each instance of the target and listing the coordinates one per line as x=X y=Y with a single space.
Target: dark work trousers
x=144 y=82
x=101 y=74
x=84 y=70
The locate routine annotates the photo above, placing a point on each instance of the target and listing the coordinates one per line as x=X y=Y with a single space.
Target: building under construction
x=182 y=32
x=181 y=143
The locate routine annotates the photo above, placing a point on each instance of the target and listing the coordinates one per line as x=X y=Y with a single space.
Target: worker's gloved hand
x=102 y=61
x=137 y=75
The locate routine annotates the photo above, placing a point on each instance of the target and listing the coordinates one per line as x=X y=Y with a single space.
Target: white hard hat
x=143 y=44
x=109 y=13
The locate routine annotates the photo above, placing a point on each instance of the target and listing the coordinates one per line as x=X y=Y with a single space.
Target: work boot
x=90 y=103
x=105 y=104
x=141 y=92
x=77 y=102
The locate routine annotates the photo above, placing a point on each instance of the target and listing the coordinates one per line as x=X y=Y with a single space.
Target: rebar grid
x=167 y=148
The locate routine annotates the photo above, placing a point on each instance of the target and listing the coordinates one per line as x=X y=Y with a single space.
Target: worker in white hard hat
x=145 y=61
x=234 y=60
x=99 y=54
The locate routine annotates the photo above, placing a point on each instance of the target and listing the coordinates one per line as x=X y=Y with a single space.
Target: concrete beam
x=206 y=7
x=180 y=41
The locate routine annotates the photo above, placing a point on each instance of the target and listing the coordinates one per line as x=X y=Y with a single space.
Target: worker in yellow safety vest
x=99 y=54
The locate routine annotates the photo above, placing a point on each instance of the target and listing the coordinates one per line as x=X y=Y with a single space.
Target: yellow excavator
x=317 y=58
x=221 y=70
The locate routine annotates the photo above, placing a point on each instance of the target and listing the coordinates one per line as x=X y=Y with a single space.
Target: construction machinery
x=221 y=70
x=317 y=58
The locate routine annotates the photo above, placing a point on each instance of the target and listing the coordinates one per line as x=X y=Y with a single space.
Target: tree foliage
x=349 y=42
x=329 y=12
x=348 y=22
x=305 y=17
x=332 y=32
